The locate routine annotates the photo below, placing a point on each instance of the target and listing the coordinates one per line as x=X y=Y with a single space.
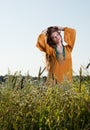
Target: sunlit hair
x=50 y=30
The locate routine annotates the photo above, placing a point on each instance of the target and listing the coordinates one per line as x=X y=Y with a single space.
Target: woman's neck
x=59 y=47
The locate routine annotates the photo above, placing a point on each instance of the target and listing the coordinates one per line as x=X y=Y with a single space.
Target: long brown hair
x=49 y=59
x=50 y=30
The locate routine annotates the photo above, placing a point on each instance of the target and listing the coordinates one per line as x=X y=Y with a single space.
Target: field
x=27 y=104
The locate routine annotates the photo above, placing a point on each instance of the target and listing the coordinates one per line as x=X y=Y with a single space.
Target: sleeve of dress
x=43 y=46
x=69 y=37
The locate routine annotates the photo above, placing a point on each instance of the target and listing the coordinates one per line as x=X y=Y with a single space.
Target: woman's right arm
x=43 y=46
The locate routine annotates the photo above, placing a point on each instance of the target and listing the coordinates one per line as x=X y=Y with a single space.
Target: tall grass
x=29 y=105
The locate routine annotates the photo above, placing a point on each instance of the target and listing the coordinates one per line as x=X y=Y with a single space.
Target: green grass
x=27 y=104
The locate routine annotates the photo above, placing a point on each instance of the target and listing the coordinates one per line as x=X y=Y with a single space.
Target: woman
x=58 y=55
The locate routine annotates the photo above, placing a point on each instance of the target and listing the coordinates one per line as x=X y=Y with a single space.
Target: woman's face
x=56 y=38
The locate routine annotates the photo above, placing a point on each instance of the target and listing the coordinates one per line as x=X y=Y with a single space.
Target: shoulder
x=41 y=36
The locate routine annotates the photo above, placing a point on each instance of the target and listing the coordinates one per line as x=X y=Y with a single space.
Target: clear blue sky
x=21 y=21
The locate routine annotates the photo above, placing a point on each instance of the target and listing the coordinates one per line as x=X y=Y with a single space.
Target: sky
x=21 y=21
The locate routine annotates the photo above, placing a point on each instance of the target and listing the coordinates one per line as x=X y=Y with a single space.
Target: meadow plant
x=32 y=106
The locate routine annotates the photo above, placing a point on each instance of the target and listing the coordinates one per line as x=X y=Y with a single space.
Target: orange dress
x=60 y=70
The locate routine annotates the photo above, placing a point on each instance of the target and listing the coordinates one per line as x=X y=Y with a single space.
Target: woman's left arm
x=69 y=37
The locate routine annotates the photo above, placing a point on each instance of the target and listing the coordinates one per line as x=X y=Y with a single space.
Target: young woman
x=58 y=55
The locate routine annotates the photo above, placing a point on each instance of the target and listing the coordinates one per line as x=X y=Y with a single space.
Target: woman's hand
x=60 y=28
x=44 y=31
